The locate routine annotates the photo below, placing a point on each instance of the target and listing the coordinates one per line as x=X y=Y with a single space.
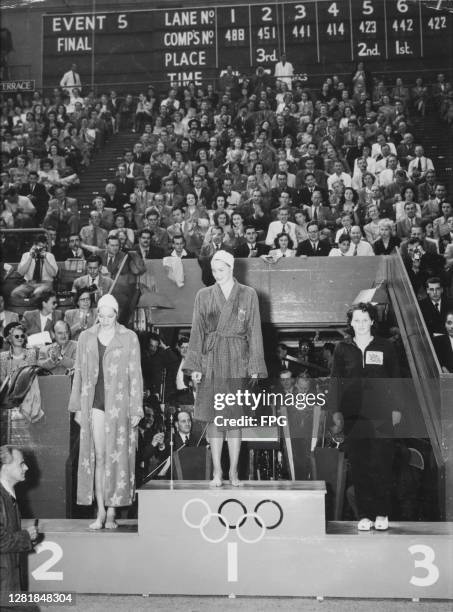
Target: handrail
x=425 y=369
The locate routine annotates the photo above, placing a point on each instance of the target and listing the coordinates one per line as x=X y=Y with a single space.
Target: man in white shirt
x=420 y=163
x=359 y=246
x=387 y=176
x=283 y=168
x=71 y=79
x=376 y=149
x=284 y=71
x=382 y=159
x=338 y=175
x=282 y=225
x=232 y=198
x=39 y=269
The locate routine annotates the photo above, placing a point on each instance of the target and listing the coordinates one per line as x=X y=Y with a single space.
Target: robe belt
x=212 y=337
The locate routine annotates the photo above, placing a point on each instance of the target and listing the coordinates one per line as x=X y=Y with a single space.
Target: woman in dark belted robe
x=225 y=350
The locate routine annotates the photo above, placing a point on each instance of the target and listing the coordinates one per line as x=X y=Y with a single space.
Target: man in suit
x=202 y=194
x=133 y=168
x=44 y=318
x=313 y=247
x=171 y=197
x=426 y=190
x=251 y=248
x=63 y=212
x=404 y=227
x=280 y=361
x=37 y=194
x=309 y=187
x=444 y=345
x=320 y=177
x=15 y=541
x=124 y=184
x=145 y=248
x=418 y=231
x=112 y=198
x=183 y=430
x=435 y=306
x=73 y=250
x=59 y=357
x=282 y=186
x=316 y=211
x=94 y=280
x=125 y=290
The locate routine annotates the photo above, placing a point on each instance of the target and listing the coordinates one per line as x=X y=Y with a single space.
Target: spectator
x=59 y=357
x=283 y=247
x=358 y=245
x=283 y=225
x=39 y=269
x=313 y=247
x=344 y=242
x=98 y=284
x=82 y=317
x=92 y=236
x=44 y=318
x=435 y=306
x=387 y=243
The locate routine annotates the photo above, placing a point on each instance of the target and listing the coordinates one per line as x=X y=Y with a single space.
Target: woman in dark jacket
x=366 y=405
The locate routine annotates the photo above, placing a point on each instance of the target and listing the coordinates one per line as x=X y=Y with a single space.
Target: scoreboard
x=197 y=43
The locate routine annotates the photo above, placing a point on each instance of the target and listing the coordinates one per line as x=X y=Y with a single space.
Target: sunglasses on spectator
x=19 y=336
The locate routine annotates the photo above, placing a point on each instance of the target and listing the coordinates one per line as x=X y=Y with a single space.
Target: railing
x=421 y=356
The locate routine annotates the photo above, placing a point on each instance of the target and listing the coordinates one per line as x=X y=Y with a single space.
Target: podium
x=260 y=539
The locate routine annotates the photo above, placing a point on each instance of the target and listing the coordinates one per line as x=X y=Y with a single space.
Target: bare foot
x=216 y=481
x=234 y=480
x=98 y=523
x=110 y=523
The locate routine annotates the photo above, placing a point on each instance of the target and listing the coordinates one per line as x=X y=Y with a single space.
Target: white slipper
x=365 y=524
x=381 y=523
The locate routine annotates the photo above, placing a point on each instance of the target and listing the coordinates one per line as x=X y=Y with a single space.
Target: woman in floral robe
x=107 y=432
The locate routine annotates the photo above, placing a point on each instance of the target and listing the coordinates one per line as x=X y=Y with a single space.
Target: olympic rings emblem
x=226 y=525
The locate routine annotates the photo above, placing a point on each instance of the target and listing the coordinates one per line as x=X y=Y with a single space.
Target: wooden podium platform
x=263 y=538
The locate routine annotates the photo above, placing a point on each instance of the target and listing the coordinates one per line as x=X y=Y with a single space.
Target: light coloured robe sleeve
x=74 y=401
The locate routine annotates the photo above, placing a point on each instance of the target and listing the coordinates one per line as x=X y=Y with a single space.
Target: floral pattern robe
x=123 y=400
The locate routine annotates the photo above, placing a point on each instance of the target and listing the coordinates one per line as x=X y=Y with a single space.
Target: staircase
x=101 y=170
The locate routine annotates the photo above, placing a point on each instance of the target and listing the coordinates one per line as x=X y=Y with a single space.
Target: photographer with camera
x=39 y=269
x=421 y=265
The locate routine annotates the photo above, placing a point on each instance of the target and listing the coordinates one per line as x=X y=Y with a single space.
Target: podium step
x=254 y=540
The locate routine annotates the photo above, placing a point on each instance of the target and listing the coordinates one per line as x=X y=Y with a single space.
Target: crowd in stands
x=255 y=166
